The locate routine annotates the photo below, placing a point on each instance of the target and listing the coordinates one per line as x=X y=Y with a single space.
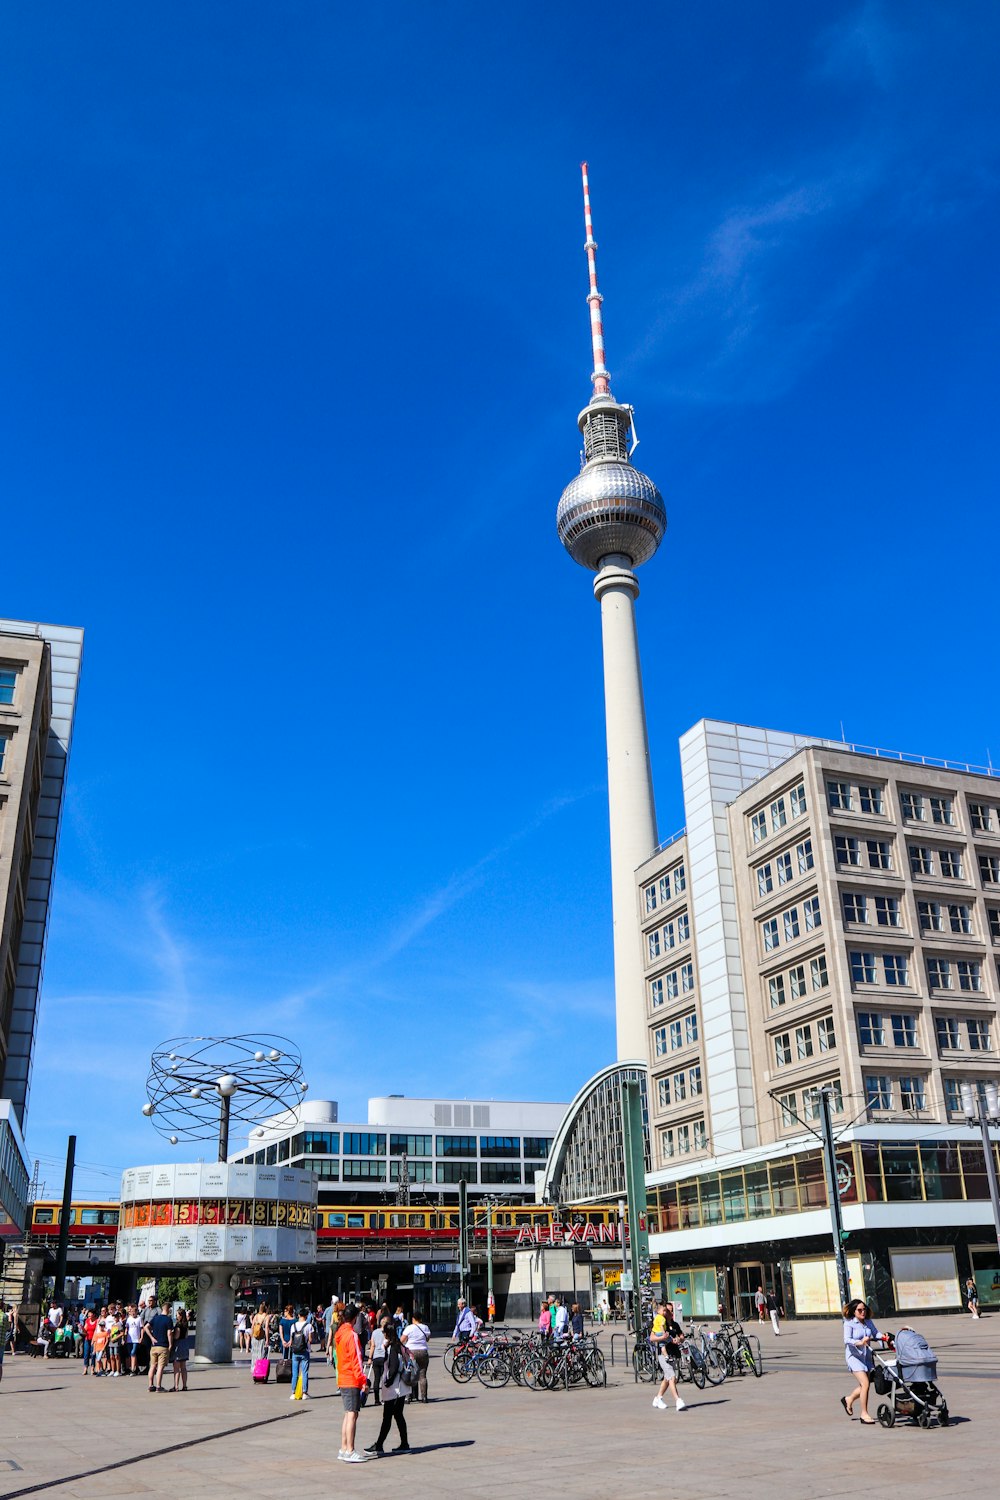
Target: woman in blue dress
x=859 y=1335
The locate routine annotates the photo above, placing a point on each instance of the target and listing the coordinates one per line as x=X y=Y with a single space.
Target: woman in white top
x=416 y=1336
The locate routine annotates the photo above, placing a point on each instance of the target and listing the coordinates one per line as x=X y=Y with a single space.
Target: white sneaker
x=660 y=1405
x=681 y=1405
x=305 y=1396
x=355 y=1458
x=341 y=1452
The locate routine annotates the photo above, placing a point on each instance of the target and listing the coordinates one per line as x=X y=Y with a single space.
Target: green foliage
x=178 y=1289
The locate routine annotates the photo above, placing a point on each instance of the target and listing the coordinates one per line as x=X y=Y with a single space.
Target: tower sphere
x=610 y=508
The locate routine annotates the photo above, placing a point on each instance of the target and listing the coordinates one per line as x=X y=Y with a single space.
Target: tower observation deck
x=611 y=519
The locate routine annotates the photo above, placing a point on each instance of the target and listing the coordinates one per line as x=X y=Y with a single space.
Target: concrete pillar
x=630 y=791
x=216 y=1313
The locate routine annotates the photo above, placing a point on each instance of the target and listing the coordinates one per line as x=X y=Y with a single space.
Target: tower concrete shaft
x=630 y=790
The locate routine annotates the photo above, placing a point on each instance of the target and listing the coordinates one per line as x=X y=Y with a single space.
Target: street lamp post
x=981 y=1106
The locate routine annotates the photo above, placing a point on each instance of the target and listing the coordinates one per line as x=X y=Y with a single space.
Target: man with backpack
x=298 y=1345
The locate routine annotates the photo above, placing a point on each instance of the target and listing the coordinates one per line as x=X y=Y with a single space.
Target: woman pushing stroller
x=860 y=1334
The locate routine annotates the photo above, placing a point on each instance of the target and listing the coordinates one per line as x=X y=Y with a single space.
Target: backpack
x=258 y=1327
x=299 y=1341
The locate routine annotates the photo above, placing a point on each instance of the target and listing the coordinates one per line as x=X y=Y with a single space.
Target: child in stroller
x=908 y=1373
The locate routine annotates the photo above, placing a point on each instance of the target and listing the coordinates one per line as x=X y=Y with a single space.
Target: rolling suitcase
x=283 y=1372
x=261 y=1370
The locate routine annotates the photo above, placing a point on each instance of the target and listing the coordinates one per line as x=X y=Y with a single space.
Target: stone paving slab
x=76 y=1438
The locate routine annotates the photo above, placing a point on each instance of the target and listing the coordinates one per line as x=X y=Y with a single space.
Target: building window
x=683 y=1140
x=887 y=911
x=787 y=1103
x=797 y=800
x=664 y=889
x=895 y=966
x=678 y=879
x=960 y=918
x=820 y=977
x=912 y=806
x=980 y=816
x=687 y=978
x=878 y=1091
x=931 y=916
x=783 y=1049
x=862 y=967
x=804 y=855
x=783 y=866
x=653 y=943
x=663 y=1093
x=993 y=915
x=500 y=1145
x=360 y=1143
x=943 y=811
x=413 y=1145
x=320 y=1143
x=847 y=850
x=904 y=1031
x=683 y=927
x=838 y=794
x=680 y=1087
x=871 y=1032
x=694 y=1080
x=666 y=1143
x=979 y=1035
x=656 y=992
x=456 y=1145
x=673 y=988
x=970 y=974
x=676 y=1035
x=989 y=864
x=825 y=1034
x=911 y=1091
x=810 y=1104
x=537 y=1145
x=797 y=981
x=8 y=682
x=790 y=918
x=855 y=907
x=879 y=853
x=363 y=1171
x=454 y=1171
x=939 y=973
x=921 y=860
x=500 y=1171
x=699 y=1135
x=776 y=990
x=779 y=817
x=952 y=1096
x=951 y=864
x=870 y=798
x=769 y=931
x=949 y=1037
x=765 y=883
x=690 y=1028
x=758 y=824
x=4 y=738
x=650 y=894
x=669 y=935
x=810 y=909
x=803 y=1042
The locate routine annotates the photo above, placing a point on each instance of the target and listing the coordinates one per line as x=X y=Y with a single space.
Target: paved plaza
x=785 y=1434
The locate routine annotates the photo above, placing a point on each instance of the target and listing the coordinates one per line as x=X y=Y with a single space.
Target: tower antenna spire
x=601 y=378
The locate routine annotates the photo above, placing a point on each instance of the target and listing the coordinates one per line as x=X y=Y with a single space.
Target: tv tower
x=610 y=519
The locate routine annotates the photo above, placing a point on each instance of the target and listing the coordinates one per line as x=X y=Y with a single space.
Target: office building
x=39 y=674
x=830 y=918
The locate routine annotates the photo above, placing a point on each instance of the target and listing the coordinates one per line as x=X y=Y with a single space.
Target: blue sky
x=294 y=339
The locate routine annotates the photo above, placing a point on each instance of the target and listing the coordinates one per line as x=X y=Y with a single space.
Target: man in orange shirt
x=351 y=1381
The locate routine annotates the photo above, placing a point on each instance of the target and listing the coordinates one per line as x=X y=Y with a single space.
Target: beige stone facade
x=848 y=935
x=25 y=712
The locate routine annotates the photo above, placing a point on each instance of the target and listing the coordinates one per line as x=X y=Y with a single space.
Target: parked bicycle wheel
x=644 y=1362
x=493 y=1371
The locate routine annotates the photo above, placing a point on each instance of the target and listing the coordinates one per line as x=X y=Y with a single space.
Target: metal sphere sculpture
x=191 y=1078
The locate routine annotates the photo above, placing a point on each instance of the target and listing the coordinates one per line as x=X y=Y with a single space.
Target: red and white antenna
x=601 y=378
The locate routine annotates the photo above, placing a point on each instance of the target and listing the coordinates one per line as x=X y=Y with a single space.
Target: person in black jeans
x=394 y=1394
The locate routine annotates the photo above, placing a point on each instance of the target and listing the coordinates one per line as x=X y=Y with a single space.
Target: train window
x=397 y=1221
x=453 y=1221
x=596 y=1218
x=522 y=1218
x=376 y=1221
x=355 y=1221
x=417 y=1221
x=336 y=1221
x=505 y=1219
x=45 y=1216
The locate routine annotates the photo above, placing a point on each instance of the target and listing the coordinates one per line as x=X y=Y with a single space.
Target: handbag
x=261 y=1370
x=881 y=1380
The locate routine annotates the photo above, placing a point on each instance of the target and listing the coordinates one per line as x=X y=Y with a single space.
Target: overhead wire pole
x=833 y=1195
x=67 y=1203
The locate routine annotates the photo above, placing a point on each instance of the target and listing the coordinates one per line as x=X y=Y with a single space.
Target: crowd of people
x=117 y=1340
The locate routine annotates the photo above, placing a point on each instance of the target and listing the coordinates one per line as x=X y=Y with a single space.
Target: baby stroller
x=908 y=1373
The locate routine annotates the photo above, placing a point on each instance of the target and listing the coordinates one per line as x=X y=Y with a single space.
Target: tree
x=178 y=1289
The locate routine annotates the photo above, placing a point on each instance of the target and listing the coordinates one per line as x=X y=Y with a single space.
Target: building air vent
x=442 y=1115
x=463 y=1115
x=481 y=1116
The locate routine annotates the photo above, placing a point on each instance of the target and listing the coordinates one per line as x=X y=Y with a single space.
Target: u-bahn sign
x=195 y=1213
